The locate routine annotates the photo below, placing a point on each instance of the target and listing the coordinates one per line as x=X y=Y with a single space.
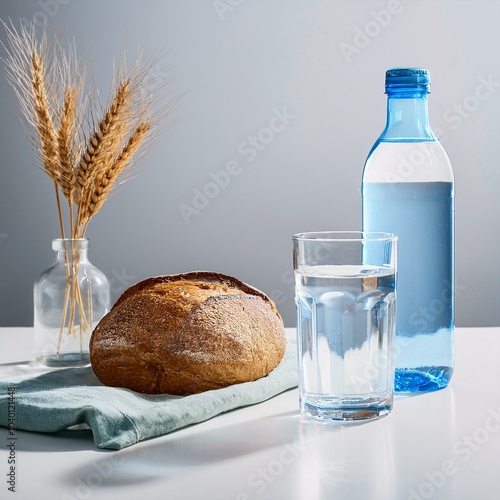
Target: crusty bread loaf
x=187 y=333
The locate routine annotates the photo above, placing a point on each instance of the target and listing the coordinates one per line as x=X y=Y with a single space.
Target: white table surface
x=441 y=445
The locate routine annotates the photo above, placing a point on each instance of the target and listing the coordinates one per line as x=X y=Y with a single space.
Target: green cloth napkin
x=55 y=400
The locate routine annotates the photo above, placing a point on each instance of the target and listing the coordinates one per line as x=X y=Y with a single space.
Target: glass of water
x=345 y=294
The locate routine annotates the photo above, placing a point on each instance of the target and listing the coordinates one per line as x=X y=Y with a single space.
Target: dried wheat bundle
x=84 y=164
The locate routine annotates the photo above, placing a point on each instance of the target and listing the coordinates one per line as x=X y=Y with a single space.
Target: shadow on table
x=62 y=441
x=182 y=453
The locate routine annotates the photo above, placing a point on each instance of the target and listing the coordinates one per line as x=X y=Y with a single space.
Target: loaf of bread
x=187 y=333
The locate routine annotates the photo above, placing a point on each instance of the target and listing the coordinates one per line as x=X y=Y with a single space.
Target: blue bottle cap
x=407 y=78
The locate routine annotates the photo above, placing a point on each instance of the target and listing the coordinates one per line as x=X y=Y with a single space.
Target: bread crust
x=187 y=333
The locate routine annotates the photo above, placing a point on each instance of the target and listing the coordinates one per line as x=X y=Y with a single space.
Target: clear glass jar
x=70 y=298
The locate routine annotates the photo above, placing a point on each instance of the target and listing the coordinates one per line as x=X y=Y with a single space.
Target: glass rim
x=70 y=239
x=70 y=244
x=347 y=236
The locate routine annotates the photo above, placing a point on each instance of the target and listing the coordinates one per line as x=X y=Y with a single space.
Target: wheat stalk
x=107 y=177
x=106 y=136
x=43 y=119
x=46 y=130
x=67 y=142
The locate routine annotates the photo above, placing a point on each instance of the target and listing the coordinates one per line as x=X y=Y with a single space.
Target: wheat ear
x=66 y=144
x=68 y=147
x=45 y=129
x=107 y=177
x=104 y=136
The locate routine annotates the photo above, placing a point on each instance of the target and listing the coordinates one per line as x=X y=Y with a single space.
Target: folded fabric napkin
x=55 y=400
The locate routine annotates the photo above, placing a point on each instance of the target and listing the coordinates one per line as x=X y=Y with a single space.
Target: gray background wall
x=240 y=62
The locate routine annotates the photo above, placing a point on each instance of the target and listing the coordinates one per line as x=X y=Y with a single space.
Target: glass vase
x=70 y=298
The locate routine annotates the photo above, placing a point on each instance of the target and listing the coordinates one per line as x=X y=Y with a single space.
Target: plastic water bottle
x=408 y=190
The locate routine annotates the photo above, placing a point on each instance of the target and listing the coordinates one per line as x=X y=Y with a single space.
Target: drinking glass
x=345 y=295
